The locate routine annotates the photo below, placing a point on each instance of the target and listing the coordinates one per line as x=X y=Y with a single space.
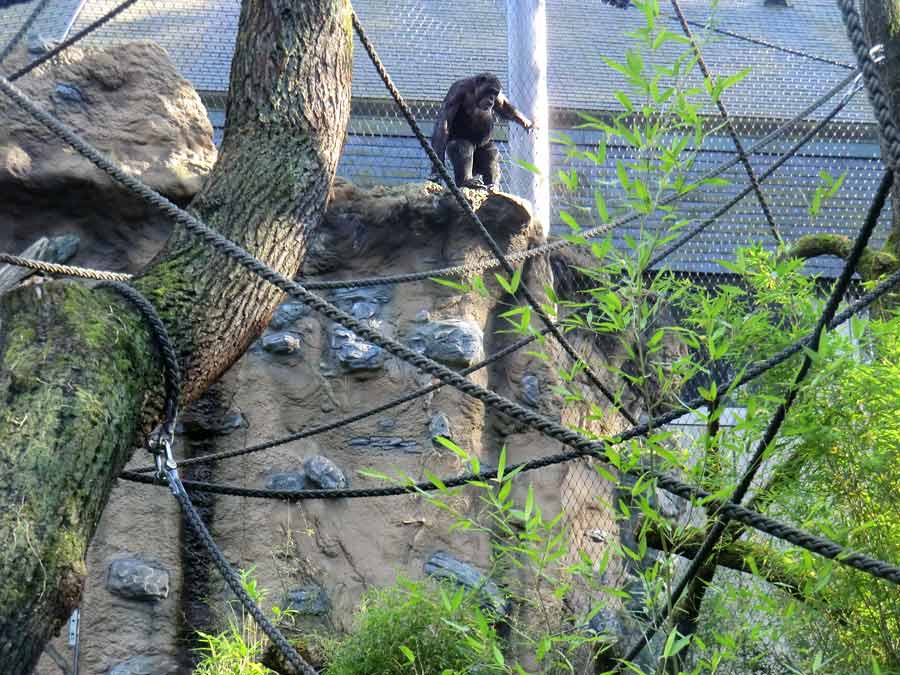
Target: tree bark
x=79 y=373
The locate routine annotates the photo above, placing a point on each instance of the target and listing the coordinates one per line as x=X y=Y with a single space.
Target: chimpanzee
x=466 y=120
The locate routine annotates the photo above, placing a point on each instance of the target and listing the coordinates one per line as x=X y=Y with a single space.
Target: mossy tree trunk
x=79 y=373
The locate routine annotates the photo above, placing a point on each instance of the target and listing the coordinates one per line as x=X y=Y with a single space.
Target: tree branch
x=872 y=265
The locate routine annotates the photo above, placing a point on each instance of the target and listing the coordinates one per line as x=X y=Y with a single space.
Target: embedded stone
x=386 y=424
x=386 y=443
x=287 y=313
x=308 y=600
x=281 y=343
x=444 y=565
x=69 y=93
x=145 y=665
x=439 y=426
x=363 y=298
x=137 y=579
x=454 y=342
x=531 y=390
x=422 y=316
x=286 y=480
x=355 y=354
x=324 y=473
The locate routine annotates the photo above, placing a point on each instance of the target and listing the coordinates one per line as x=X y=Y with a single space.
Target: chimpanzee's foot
x=492 y=187
x=475 y=183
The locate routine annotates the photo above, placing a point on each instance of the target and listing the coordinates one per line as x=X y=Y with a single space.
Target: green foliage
x=238 y=649
x=418 y=628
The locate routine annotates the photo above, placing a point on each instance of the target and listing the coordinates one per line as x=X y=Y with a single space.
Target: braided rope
x=769 y=45
x=717 y=529
x=23 y=29
x=552 y=247
x=441 y=169
x=172 y=379
x=870 y=75
x=726 y=118
x=66 y=270
x=777 y=164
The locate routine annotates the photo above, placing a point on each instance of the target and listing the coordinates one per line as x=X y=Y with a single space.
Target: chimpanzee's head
x=487 y=89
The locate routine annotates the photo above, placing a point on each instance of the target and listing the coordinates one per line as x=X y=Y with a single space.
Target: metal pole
x=526 y=22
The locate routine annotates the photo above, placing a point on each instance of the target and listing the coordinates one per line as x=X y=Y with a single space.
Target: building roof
x=427 y=44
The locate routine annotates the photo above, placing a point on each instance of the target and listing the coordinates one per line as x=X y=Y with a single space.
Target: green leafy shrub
x=420 y=628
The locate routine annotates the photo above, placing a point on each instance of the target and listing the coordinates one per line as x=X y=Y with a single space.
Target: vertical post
x=526 y=22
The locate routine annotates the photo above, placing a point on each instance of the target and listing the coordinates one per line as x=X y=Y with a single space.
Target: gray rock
x=443 y=565
x=206 y=426
x=137 y=579
x=145 y=665
x=355 y=354
x=422 y=316
x=69 y=93
x=386 y=443
x=346 y=298
x=455 y=342
x=63 y=247
x=308 y=600
x=287 y=313
x=439 y=426
x=282 y=343
x=531 y=390
x=286 y=480
x=324 y=473
x=386 y=424
x=40 y=44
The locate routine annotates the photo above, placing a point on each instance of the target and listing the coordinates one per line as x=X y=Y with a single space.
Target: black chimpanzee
x=464 y=126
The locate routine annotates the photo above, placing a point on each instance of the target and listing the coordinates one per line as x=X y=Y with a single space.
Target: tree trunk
x=79 y=374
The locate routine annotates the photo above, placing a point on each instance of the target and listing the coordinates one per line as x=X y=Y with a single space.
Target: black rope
x=221 y=244
x=171 y=369
x=732 y=132
x=65 y=44
x=232 y=578
x=23 y=29
x=441 y=169
x=718 y=528
x=344 y=421
x=172 y=378
x=488 y=263
x=769 y=45
x=777 y=164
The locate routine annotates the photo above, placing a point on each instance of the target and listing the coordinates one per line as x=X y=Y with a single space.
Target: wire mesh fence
x=426 y=45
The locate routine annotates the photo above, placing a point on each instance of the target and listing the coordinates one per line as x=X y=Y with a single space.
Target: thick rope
x=769 y=45
x=65 y=270
x=545 y=249
x=718 y=528
x=23 y=29
x=441 y=169
x=172 y=379
x=777 y=164
x=344 y=421
x=872 y=79
x=490 y=263
x=726 y=118
x=77 y=37
x=538 y=422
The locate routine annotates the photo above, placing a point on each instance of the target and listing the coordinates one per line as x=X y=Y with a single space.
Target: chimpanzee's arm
x=508 y=111
x=441 y=133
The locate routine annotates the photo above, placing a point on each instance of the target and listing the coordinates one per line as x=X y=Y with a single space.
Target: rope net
x=427 y=45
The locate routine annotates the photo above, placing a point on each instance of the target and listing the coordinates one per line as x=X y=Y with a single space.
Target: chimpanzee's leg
x=461 y=153
x=487 y=163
